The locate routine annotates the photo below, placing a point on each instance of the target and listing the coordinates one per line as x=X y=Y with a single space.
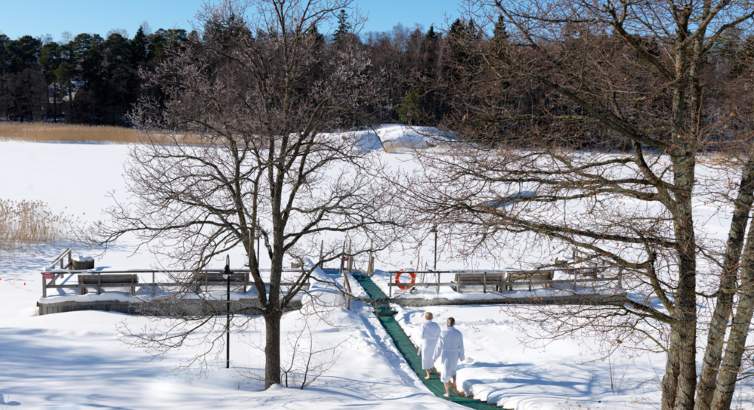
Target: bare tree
x=253 y=99
x=633 y=73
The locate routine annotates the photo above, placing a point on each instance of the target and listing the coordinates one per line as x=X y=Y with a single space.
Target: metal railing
x=64 y=259
x=501 y=280
x=152 y=278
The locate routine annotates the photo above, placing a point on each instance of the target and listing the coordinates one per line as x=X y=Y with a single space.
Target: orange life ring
x=405 y=286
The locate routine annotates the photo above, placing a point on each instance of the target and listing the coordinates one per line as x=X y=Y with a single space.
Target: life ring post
x=408 y=285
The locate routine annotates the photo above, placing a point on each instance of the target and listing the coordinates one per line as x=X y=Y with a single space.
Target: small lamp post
x=434 y=231
x=226 y=275
x=437 y=274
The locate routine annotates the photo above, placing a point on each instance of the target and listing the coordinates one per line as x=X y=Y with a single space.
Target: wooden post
x=346 y=279
x=574 y=278
x=419 y=256
x=321 y=253
x=154 y=285
x=342 y=255
x=99 y=283
x=530 y=275
x=44 y=286
x=620 y=278
x=350 y=258
x=370 y=264
x=344 y=274
x=438 y=282
x=70 y=260
x=484 y=282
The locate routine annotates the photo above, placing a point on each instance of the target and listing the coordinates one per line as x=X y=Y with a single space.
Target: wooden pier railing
x=132 y=279
x=506 y=280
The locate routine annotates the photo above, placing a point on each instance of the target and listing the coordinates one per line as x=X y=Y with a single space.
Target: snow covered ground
x=84 y=359
x=505 y=368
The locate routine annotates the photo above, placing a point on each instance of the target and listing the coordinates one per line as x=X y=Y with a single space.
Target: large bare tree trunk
x=685 y=314
x=724 y=306
x=272 y=348
x=670 y=379
x=687 y=376
x=734 y=349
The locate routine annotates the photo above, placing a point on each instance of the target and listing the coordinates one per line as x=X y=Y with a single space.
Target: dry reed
x=30 y=222
x=42 y=132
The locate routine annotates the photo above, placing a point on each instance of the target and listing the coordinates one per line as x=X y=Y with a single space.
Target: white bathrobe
x=449 y=351
x=428 y=342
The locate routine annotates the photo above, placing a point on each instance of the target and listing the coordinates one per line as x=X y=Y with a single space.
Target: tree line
x=94 y=80
x=89 y=79
x=426 y=77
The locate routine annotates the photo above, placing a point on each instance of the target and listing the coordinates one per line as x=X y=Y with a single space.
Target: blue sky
x=54 y=17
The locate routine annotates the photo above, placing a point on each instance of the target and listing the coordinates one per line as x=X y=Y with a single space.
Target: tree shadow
x=392 y=357
x=4 y=402
x=35 y=364
x=21 y=259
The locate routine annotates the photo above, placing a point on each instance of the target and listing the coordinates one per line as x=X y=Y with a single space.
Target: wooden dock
x=156 y=307
x=155 y=292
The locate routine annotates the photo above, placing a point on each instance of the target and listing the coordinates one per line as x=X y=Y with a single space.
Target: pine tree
x=429 y=50
x=139 y=47
x=410 y=110
x=462 y=36
x=344 y=30
x=26 y=84
x=500 y=32
x=4 y=74
x=433 y=101
x=50 y=60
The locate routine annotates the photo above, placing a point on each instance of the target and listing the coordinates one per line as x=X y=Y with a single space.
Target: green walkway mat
x=385 y=314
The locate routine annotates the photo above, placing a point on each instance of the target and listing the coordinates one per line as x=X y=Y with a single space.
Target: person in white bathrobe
x=427 y=343
x=449 y=351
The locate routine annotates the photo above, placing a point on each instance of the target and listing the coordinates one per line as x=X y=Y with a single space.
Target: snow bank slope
x=400 y=138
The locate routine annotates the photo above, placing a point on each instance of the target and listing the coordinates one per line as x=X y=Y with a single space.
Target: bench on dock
x=500 y=281
x=240 y=278
x=483 y=279
x=583 y=273
x=101 y=281
x=533 y=277
x=206 y=279
x=216 y=278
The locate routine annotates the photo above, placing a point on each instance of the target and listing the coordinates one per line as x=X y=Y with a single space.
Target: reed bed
x=49 y=132
x=23 y=222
